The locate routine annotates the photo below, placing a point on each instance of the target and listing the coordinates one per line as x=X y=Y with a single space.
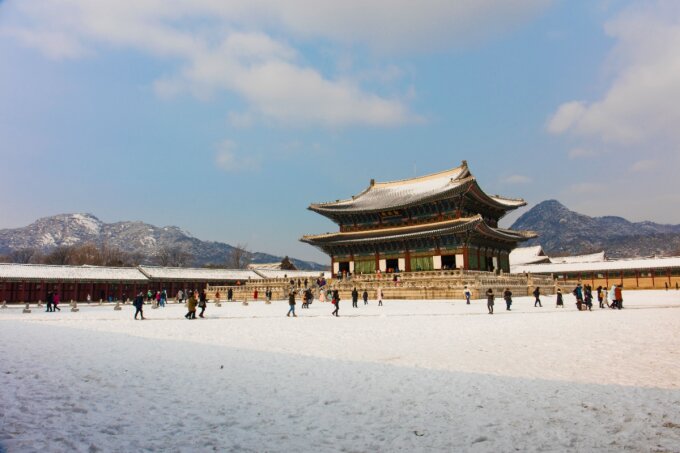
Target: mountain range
x=145 y=240
x=565 y=232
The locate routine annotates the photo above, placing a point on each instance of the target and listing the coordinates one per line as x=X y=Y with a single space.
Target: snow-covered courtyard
x=408 y=376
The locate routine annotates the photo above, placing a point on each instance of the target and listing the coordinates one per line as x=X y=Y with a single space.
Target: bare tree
x=239 y=257
x=173 y=256
x=87 y=253
x=22 y=256
x=60 y=255
x=113 y=256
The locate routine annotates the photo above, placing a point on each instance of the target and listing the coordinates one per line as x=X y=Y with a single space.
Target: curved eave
x=472 y=224
x=504 y=234
x=495 y=201
x=390 y=234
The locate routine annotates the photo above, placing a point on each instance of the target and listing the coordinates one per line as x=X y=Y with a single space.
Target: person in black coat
x=355 y=298
x=365 y=296
x=50 y=301
x=336 y=301
x=230 y=294
x=490 y=297
x=139 y=303
x=537 y=295
x=507 y=295
x=560 y=300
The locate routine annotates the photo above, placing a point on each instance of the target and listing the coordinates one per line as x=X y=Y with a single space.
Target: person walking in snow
x=379 y=296
x=588 y=297
x=355 y=298
x=600 y=296
x=468 y=295
x=50 y=302
x=336 y=302
x=560 y=300
x=605 y=297
x=507 y=295
x=191 y=306
x=365 y=297
x=612 y=296
x=138 y=303
x=618 y=294
x=291 y=303
x=202 y=303
x=578 y=293
x=537 y=295
x=490 y=300
x=56 y=301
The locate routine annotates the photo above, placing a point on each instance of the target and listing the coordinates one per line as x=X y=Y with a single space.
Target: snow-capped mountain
x=133 y=237
x=563 y=232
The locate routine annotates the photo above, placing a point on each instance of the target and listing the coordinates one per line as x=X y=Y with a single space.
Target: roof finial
x=372 y=182
x=464 y=163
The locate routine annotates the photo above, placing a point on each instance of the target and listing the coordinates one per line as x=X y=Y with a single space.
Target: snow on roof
x=617 y=265
x=11 y=271
x=387 y=194
x=272 y=273
x=182 y=273
x=591 y=258
x=528 y=255
x=272 y=266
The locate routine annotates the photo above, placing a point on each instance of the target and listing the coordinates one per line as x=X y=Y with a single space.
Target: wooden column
x=637 y=278
x=377 y=261
x=606 y=278
x=653 y=282
x=407 y=259
x=23 y=291
x=2 y=292
x=466 y=258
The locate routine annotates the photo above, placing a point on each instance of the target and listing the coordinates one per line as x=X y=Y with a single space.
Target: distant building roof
x=272 y=266
x=43 y=272
x=273 y=273
x=590 y=258
x=528 y=255
x=597 y=266
x=200 y=274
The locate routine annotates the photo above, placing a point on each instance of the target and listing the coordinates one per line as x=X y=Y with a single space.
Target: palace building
x=439 y=221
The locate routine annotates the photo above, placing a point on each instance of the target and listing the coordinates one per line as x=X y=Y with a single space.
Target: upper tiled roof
x=406 y=192
x=40 y=272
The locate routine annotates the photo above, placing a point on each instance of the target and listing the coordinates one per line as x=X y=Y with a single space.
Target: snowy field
x=408 y=376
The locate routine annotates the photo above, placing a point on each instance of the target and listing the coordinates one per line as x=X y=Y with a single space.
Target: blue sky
x=228 y=118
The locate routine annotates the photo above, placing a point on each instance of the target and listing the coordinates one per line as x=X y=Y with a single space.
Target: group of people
x=53 y=301
x=583 y=294
x=333 y=295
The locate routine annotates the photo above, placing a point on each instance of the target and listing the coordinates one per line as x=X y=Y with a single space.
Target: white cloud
x=229 y=160
x=643 y=166
x=517 y=179
x=239 y=46
x=578 y=153
x=641 y=104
